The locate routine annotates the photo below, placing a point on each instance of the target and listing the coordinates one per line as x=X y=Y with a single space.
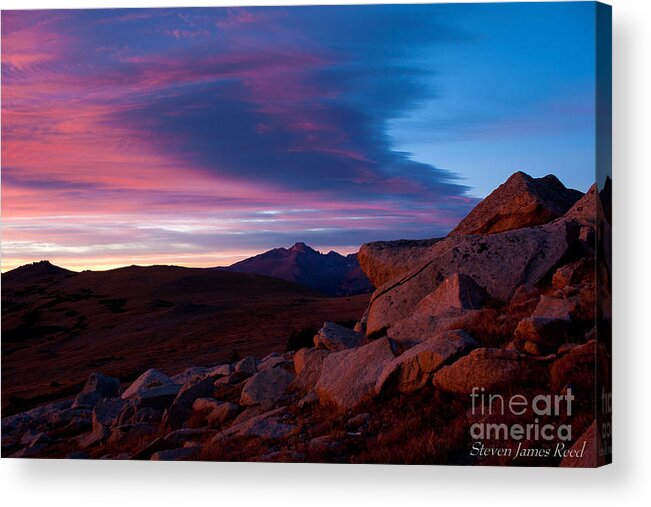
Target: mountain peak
x=331 y=273
x=300 y=247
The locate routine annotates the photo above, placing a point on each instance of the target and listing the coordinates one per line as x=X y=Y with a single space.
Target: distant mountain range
x=332 y=274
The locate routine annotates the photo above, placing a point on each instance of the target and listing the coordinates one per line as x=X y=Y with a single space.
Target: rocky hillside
x=510 y=308
x=331 y=274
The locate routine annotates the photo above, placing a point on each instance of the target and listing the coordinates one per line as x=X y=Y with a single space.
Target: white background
x=626 y=482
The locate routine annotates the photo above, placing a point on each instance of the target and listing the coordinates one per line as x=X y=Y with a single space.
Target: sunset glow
x=199 y=137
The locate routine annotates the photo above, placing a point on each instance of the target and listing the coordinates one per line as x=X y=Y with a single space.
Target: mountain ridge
x=330 y=273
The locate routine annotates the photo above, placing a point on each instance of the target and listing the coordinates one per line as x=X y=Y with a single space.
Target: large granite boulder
x=151 y=378
x=529 y=253
x=271 y=425
x=307 y=365
x=492 y=369
x=334 y=337
x=385 y=260
x=348 y=377
x=266 y=387
x=521 y=201
x=456 y=292
x=413 y=369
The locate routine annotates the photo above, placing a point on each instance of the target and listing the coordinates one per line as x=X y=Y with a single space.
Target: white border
x=627 y=481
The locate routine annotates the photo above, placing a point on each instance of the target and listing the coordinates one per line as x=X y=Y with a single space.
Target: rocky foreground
x=508 y=301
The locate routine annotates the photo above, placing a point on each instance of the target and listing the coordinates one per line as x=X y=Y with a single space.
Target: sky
x=202 y=136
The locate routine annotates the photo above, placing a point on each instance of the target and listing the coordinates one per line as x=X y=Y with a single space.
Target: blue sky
x=201 y=136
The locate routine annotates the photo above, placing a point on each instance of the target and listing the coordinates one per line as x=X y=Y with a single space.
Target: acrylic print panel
x=343 y=234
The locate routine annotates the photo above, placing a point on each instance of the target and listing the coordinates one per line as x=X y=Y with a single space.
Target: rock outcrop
x=529 y=253
x=266 y=387
x=349 y=377
x=521 y=201
x=492 y=369
x=385 y=260
x=413 y=369
x=334 y=337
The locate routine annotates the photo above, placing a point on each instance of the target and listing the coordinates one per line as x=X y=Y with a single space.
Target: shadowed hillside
x=65 y=325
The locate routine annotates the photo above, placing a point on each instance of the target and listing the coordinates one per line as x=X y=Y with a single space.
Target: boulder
x=413 y=369
x=335 y=337
x=548 y=325
x=492 y=369
x=577 y=368
x=205 y=405
x=181 y=407
x=385 y=260
x=529 y=253
x=245 y=366
x=266 y=387
x=157 y=398
x=130 y=434
x=521 y=201
x=187 y=436
x=222 y=413
x=348 y=377
x=420 y=326
x=307 y=365
x=456 y=292
x=97 y=388
x=271 y=425
x=571 y=274
x=106 y=414
x=273 y=360
x=151 y=378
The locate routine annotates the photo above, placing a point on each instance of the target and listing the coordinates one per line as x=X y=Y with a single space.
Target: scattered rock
x=151 y=378
x=307 y=364
x=130 y=434
x=492 y=369
x=222 y=413
x=548 y=325
x=97 y=387
x=309 y=399
x=413 y=369
x=246 y=366
x=334 y=337
x=359 y=422
x=266 y=387
x=273 y=360
x=205 y=405
x=187 y=436
x=181 y=407
x=157 y=398
x=268 y=425
x=105 y=415
x=521 y=201
x=349 y=376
